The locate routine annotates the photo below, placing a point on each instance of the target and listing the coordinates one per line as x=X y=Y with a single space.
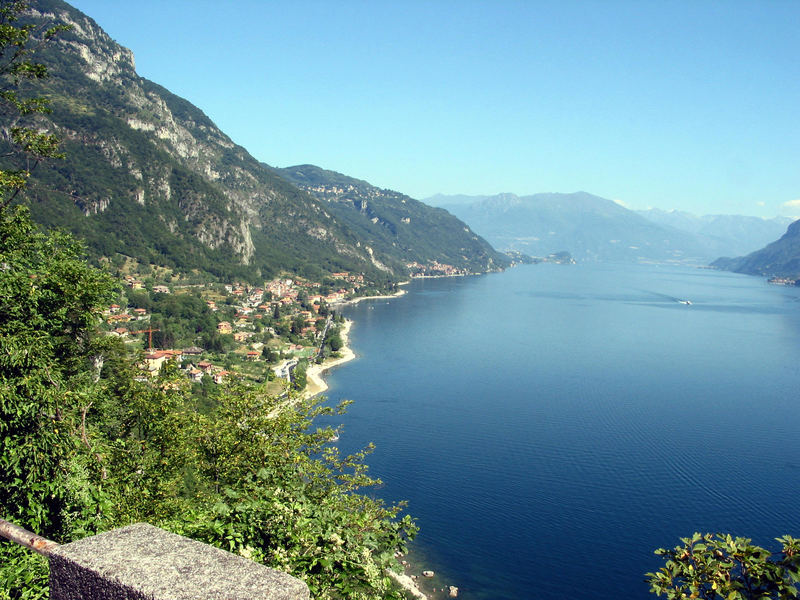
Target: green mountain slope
x=148 y=175
x=780 y=258
x=397 y=224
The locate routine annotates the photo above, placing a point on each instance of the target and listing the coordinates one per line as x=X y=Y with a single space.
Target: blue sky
x=688 y=105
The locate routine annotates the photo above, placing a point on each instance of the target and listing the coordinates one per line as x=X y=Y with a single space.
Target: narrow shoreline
x=408 y=584
x=397 y=294
x=315 y=383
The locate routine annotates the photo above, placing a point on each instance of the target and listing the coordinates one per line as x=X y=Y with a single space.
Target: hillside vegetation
x=88 y=442
x=397 y=224
x=148 y=175
x=781 y=258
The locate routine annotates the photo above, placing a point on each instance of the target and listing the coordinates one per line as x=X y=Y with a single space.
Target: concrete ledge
x=142 y=562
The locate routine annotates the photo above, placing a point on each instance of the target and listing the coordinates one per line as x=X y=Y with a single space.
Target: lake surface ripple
x=552 y=425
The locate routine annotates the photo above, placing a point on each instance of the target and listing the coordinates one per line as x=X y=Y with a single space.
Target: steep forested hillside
x=396 y=224
x=780 y=258
x=148 y=175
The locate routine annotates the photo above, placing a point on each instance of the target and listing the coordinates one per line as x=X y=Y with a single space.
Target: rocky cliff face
x=147 y=174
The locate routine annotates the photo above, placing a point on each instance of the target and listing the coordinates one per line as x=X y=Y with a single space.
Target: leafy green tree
x=302 y=300
x=299 y=377
x=723 y=567
x=50 y=362
x=50 y=359
x=49 y=302
x=151 y=449
x=139 y=299
x=86 y=446
x=334 y=342
x=298 y=510
x=24 y=142
x=212 y=341
x=269 y=354
x=282 y=329
x=298 y=323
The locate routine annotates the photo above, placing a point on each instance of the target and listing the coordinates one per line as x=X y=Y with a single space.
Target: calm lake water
x=551 y=426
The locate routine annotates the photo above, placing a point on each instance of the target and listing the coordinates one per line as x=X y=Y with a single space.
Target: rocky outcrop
x=151 y=176
x=141 y=158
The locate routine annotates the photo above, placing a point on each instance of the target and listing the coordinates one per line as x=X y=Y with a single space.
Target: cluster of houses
x=115 y=315
x=133 y=283
x=287 y=291
x=434 y=269
x=250 y=304
x=153 y=361
x=783 y=281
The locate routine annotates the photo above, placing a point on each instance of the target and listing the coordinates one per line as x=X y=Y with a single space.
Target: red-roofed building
x=155 y=360
x=205 y=367
x=220 y=377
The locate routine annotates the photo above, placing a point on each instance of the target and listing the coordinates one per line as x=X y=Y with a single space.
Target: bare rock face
x=157 y=153
x=152 y=177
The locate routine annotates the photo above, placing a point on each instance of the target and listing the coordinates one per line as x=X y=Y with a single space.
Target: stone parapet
x=142 y=562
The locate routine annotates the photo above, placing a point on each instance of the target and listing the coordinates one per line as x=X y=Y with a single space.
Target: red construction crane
x=150 y=331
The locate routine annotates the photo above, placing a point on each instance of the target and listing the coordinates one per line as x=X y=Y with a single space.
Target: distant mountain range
x=592 y=228
x=741 y=233
x=148 y=175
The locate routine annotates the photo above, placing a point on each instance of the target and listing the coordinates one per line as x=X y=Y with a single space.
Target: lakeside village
x=214 y=331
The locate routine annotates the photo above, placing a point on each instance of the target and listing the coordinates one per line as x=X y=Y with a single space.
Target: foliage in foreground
x=723 y=567
x=85 y=447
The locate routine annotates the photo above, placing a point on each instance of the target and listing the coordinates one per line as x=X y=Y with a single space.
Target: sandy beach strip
x=315 y=384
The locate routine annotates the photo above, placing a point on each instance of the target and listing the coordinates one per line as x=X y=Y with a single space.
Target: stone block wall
x=142 y=562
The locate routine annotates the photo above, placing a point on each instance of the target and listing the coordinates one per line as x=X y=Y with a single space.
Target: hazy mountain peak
x=591 y=227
